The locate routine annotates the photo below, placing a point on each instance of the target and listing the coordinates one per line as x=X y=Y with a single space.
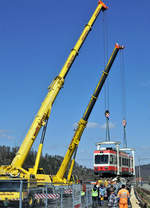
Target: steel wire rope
x=106 y=87
x=123 y=97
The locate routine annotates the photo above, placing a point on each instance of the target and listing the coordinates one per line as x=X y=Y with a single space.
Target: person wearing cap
x=112 y=200
x=101 y=194
x=123 y=196
x=108 y=189
x=94 y=196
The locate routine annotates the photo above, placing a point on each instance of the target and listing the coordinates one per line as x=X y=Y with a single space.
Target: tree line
x=49 y=163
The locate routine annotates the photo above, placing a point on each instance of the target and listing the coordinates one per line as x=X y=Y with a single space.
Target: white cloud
x=3 y=131
x=111 y=125
x=5 y=134
x=97 y=125
x=92 y=125
x=89 y=125
x=75 y=125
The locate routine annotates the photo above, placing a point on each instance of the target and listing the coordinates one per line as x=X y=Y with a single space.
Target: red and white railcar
x=106 y=162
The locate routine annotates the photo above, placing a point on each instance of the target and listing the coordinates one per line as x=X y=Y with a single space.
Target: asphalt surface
x=67 y=203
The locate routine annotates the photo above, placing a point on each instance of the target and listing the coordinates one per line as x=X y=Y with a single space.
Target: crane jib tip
x=119 y=46
x=103 y=5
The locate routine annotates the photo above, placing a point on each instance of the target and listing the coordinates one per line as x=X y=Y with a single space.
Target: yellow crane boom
x=59 y=177
x=45 y=109
x=54 y=89
x=71 y=166
x=74 y=52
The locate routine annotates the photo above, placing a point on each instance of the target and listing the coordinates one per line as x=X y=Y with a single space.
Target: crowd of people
x=116 y=193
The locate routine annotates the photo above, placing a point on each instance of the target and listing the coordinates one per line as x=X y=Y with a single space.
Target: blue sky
x=35 y=40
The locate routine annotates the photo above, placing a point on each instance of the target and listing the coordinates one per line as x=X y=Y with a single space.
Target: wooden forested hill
x=49 y=163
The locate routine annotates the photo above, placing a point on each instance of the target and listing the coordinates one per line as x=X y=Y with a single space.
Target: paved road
x=67 y=203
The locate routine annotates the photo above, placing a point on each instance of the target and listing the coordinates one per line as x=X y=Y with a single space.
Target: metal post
x=72 y=195
x=133 y=162
x=86 y=197
x=107 y=130
x=139 y=173
x=117 y=148
x=46 y=204
x=61 y=199
x=20 y=201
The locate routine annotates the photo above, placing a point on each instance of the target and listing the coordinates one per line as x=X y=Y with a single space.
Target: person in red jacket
x=123 y=196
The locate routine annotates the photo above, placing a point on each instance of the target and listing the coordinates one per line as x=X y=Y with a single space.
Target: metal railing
x=45 y=196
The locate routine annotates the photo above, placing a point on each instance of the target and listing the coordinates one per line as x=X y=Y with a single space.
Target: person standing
x=94 y=196
x=123 y=196
x=101 y=194
x=112 y=200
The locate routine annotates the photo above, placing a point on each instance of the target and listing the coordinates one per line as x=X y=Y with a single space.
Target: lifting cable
x=106 y=86
x=124 y=122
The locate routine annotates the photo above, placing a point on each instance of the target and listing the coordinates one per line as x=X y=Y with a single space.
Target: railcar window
x=101 y=159
x=125 y=161
x=120 y=161
x=131 y=163
x=113 y=159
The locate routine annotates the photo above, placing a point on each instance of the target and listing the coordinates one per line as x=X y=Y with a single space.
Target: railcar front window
x=101 y=159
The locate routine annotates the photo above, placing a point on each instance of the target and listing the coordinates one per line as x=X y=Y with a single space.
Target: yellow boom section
x=71 y=166
x=59 y=177
x=54 y=89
